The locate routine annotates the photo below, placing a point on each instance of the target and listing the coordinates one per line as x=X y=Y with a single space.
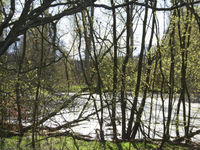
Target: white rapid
x=90 y=126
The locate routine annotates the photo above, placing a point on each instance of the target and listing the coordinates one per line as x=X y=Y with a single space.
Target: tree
x=36 y=68
x=30 y=17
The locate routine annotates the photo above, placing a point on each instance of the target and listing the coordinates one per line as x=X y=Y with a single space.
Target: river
x=90 y=127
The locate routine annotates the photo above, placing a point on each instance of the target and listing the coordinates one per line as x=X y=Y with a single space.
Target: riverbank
x=72 y=143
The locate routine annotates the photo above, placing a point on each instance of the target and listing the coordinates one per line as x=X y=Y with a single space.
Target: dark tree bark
x=113 y=119
x=87 y=37
x=99 y=79
x=171 y=77
x=31 y=18
x=139 y=74
x=36 y=101
x=124 y=68
x=147 y=80
x=17 y=89
x=184 y=39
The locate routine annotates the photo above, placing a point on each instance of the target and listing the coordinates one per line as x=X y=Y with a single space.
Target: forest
x=99 y=74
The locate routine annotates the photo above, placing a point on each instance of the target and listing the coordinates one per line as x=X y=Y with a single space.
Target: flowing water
x=90 y=126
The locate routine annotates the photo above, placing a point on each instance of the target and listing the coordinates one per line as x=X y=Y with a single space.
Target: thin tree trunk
x=17 y=88
x=99 y=81
x=184 y=52
x=124 y=66
x=152 y=96
x=54 y=28
x=87 y=38
x=36 y=101
x=79 y=51
x=171 y=79
x=162 y=98
x=139 y=74
x=149 y=60
x=189 y=26
x=177 y=118
x=161 y=93
x=113 y=119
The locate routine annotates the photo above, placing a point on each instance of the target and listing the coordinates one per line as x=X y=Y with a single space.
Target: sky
x=103 y=17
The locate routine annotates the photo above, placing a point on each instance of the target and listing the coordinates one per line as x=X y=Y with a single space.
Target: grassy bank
x=68 y=143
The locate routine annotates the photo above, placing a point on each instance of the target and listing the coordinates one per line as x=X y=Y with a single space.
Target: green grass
x=68 y=143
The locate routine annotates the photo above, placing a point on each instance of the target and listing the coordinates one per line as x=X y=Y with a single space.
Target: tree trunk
x=124 y=66
x=139 y=74
x=113 y=119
